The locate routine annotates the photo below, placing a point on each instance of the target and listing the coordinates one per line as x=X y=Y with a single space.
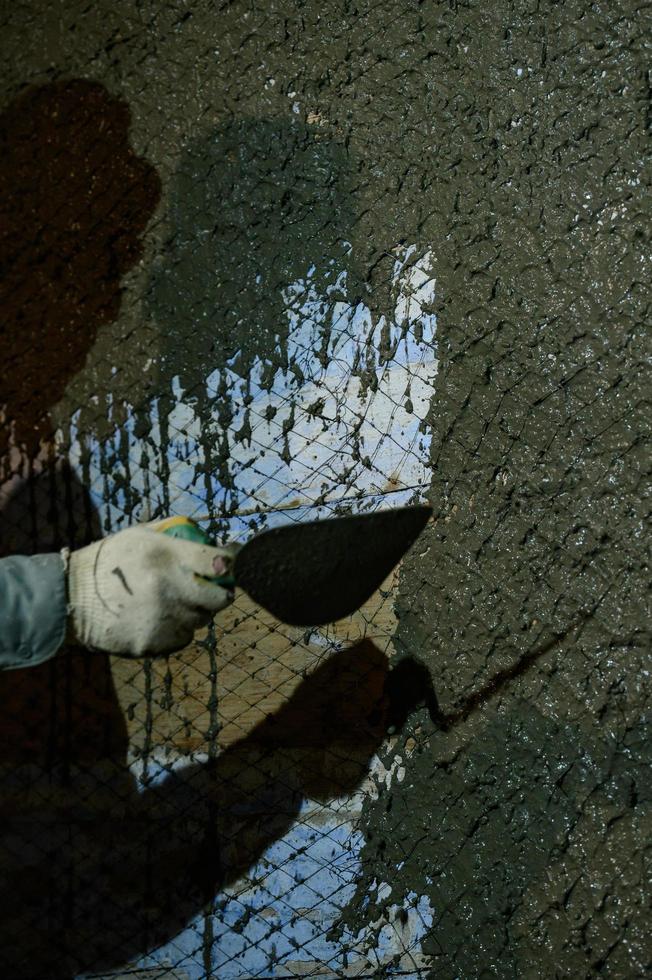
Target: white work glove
x=139 y=592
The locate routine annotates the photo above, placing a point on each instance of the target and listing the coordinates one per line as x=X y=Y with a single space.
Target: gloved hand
x=140 y=592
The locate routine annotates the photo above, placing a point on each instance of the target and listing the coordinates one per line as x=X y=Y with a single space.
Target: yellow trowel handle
x=185 y=528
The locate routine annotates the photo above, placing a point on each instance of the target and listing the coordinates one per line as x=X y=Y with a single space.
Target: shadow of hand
x=101 y=869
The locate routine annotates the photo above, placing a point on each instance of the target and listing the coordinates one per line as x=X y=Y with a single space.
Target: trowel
x=317 y=572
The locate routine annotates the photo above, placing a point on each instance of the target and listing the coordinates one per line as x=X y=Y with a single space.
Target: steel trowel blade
x=320 y=571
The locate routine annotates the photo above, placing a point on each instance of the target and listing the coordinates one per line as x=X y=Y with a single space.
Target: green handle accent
x=187 y=530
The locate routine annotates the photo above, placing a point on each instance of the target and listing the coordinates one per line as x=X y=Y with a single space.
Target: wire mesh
x=259 y=270
x=211 y=832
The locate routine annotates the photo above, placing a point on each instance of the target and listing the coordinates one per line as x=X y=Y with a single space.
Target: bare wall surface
x=434 y=213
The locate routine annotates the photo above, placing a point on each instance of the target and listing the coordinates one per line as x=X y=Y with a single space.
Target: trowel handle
x=185 y=528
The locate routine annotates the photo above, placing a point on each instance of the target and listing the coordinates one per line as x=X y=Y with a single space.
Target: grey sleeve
x=32 y=609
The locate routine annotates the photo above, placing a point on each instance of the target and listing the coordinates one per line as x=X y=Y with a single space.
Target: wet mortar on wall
x=320 y=154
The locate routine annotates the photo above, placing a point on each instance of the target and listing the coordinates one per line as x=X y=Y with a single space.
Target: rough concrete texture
x=506 y=141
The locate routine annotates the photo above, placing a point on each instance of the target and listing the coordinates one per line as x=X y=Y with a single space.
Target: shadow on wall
x=100 y=870
x=254 y=205
x=74 y=202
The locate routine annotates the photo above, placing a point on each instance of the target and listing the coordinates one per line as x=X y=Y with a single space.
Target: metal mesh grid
x=212 y=830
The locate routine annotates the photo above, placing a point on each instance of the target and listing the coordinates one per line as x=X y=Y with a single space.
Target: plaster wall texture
x=380 y=252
